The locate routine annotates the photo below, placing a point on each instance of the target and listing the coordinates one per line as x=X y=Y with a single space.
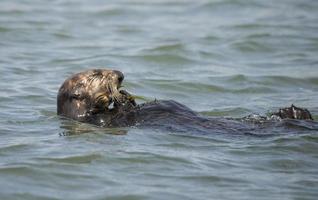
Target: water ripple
x=225 y=58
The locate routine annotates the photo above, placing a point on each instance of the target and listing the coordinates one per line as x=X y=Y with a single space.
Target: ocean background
x=222 y=58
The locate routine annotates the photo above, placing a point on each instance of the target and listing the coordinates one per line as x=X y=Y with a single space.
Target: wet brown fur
x=88 y=92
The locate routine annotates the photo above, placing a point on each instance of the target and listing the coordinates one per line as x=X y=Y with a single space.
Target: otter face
x=88 y=93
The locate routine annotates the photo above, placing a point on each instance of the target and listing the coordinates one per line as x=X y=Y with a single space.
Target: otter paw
x=126 y=99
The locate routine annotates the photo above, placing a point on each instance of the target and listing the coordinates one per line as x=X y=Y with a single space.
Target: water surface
x=224 y=58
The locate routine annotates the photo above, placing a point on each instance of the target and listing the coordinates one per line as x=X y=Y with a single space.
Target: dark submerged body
x=173 y=116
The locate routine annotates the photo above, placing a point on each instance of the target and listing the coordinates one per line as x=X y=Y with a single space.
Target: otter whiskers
x=115 y=94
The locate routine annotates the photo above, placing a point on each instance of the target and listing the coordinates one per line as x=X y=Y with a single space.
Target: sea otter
x=96 y=97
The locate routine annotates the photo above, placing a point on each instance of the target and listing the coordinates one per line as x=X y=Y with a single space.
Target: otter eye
x=75 y=96
x=119 y=75
x=120 y=79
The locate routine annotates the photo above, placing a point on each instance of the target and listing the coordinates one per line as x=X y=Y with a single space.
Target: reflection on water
x=222 y=58
x=70 y=128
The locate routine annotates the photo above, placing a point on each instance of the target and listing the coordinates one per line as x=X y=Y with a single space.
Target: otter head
x=88 y=93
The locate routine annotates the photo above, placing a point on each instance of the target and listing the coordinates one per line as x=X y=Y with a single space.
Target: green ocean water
x=223 y=58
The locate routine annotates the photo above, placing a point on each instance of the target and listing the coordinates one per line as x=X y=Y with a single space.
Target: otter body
x=95 y=97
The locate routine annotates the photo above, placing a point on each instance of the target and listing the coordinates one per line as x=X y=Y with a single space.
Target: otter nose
x=120 y=76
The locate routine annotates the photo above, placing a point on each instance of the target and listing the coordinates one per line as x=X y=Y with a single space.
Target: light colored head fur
x=88 y=92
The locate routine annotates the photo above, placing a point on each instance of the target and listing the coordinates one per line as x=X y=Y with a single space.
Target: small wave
x=175 y=47
x=165 y=59
x=4 y=29
x=211 y=38
x=252 y=46
x=106 y=10
x=213 y=179
x=77 y=59
x=16 y=170
x=146 y=157
x=109 y=11
x=249 y=26
x=300 y=143
x=13 y=147
x=62 y=35
x=79 y=159
x=212 y=5
x=300 y=124
x=266 y=81
x=258 y=36
x=177 y=85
